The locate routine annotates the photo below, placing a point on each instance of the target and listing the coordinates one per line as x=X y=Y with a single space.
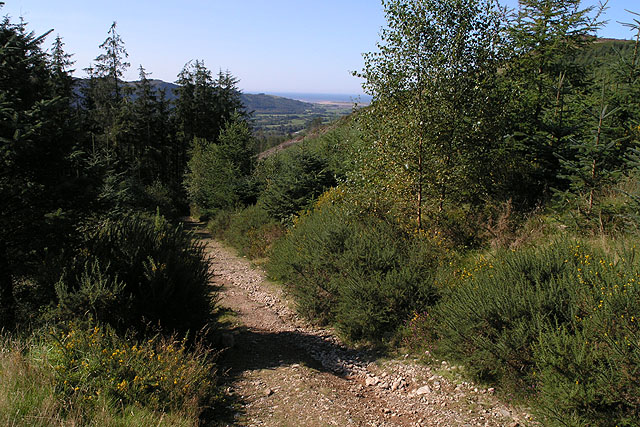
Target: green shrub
x=251 y=230
x=385 y=277
x=306 y=259
x=301 y=177
x=495 y=312
x=210 y=180
x=97 y=295
x=363 y=275
x=558 y=322
x=92 y=363
x=589 y=368
x=134 y=271
x=219 y=223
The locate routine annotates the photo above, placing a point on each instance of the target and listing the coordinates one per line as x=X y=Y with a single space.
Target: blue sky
x=270 y=45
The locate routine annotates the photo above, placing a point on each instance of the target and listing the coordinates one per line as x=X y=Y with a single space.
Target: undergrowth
x=364 y=275
x=87 y=375
x=558 y=324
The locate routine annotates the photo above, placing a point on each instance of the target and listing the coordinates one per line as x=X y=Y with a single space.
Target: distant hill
x=257 y=103
x=260 y=103
x=605 y=51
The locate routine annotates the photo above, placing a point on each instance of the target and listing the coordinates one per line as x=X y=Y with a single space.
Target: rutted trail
x=284 y=372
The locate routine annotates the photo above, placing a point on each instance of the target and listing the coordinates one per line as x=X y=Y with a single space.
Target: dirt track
x=282 y=371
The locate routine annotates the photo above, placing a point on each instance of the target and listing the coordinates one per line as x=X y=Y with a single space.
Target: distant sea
x=320 y=97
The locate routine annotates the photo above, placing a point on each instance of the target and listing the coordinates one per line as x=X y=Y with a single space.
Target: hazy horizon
x=281 y=46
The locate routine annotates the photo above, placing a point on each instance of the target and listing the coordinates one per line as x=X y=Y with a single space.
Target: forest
x=484 y=209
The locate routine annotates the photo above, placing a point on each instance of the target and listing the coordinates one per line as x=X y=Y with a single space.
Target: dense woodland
x=483 y=209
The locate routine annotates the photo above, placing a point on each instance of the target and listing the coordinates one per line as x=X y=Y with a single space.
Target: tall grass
x=30 y=395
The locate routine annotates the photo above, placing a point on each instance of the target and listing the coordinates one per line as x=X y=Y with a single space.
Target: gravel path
x=284 y=372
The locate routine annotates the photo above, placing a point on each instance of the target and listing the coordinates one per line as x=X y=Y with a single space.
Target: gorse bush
x=559 y=322
x=32 y=393
x=93 y=363
x=493 y=315
x=589 y=367
x=98 y=295
x=361 y=274
x=306 y=259
x=134 y=271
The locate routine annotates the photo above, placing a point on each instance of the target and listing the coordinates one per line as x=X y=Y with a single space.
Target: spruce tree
x=35 y=143
x=61 y=71
x=546 y=82
x=111 y=65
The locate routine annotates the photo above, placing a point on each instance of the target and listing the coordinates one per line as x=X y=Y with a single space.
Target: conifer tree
x=546 y=81
x=107 y=111
x=35 y=142
x=593 y=162
x=61 y=64
x=145 y=118
x=111 y=65
x=203 y=106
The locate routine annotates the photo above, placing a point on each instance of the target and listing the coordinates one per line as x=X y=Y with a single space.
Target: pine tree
x=593 y=165
x=107 y=111
x=111 y=64
x=61 y=69
x=546 y=82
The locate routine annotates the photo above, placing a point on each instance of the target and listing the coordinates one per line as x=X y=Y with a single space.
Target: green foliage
x=363 y=275
x=557 y=322
x=98 y=295
x=210 y=180
x=219 y=174
x=162 y=374
x=251 y=230
x=594 y=167
x=32 y=393
x=133 y=271
x=300 y=178
x=546 y=85
x=497 y=307
x=436 y=112
x=306 y=259
x=111 y=64
x=37 y=187
x=588 y=367
x=205 y=104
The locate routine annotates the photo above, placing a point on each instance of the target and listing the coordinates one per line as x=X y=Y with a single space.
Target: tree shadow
x=246 y=349
x=257 y=350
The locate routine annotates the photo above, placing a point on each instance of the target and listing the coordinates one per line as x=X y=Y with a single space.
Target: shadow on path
x=254 y=349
